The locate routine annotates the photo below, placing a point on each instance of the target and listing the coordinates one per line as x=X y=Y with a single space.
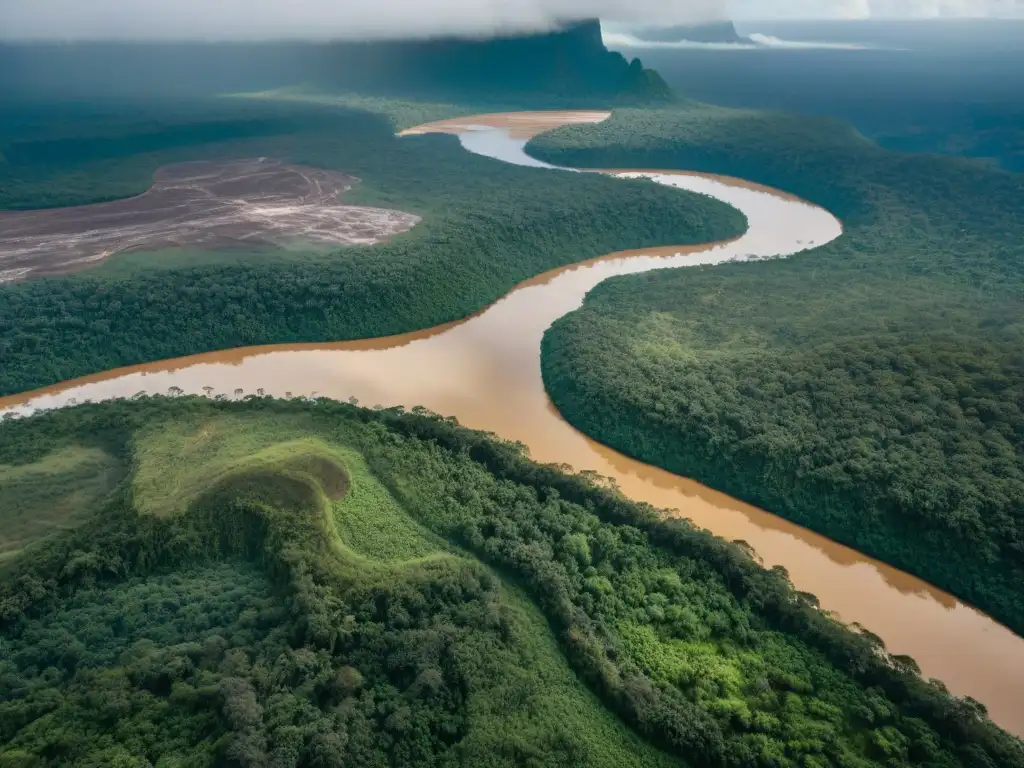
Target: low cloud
x=623 y=40
x=322 y=19
x=867 y=9
x=376 y=19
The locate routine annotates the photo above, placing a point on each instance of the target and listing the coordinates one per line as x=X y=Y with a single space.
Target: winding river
x=485 y=370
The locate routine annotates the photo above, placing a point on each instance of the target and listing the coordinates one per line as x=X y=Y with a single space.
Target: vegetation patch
x=870 y=389
x=177 y=461
x=138 y=670
x=241 y=628
x=705 y=655
x=371 y=522
x=459 y=605
x=56 y=493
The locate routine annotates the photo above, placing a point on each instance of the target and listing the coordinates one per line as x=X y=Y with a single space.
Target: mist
x=320 y=20
x=875 y=9
x=623 y=41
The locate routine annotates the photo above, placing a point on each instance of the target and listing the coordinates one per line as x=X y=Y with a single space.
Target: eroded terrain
x=205 y=204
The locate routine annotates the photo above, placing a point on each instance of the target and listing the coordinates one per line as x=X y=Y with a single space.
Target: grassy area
x=373 y=524
x=486 y=226
x=177 y=462
x=869 y=389
x=183 y=639
x=537 y=693
x=56 y=493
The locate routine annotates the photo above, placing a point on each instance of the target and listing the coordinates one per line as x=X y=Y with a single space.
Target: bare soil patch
x=209 y=204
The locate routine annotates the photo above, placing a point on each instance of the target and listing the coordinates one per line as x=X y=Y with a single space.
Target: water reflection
x=485 y=371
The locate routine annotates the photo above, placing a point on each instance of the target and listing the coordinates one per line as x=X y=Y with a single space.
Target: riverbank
x=869 y=390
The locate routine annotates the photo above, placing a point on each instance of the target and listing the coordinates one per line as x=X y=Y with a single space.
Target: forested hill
x=193 y=582
x=571 y=63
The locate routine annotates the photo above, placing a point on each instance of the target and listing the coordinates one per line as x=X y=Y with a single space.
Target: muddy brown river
x=485 y=370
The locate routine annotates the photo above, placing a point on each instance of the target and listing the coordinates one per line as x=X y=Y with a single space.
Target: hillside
x=288 y=583
x=870 y=389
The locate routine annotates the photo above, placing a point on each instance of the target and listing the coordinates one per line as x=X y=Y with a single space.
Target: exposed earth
x=209 y=204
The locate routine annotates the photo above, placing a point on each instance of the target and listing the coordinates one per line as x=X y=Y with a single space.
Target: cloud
x=361 y=19
x=618 y=41
x=947 y=8
x=322 y=19
x=865 y=9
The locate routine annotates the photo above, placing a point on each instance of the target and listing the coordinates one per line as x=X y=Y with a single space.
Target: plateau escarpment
x=569 y=65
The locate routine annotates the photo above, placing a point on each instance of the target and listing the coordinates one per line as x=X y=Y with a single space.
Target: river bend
x=485 y=370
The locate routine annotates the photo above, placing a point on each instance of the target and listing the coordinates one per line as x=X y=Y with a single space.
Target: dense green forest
x=943 y=86
x=486 y=226
x=932 y=101
x=308 y=583
x=870 y=389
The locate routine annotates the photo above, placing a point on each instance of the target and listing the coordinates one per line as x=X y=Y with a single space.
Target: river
x=485 y=371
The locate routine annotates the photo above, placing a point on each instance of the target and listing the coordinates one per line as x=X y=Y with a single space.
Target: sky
x=360 y=19
x=865 y=9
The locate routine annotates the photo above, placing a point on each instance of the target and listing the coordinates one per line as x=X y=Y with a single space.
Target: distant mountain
x=715 y=32
x=572 y=61
x=564 y=64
